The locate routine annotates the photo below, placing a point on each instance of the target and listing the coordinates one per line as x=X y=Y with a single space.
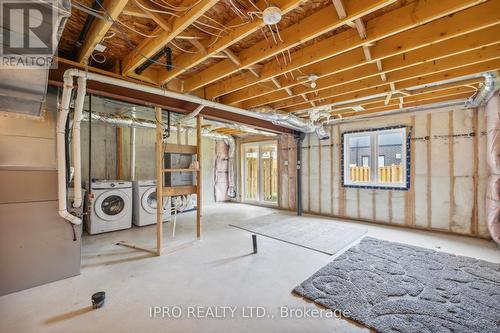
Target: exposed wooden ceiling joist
x=425 y=102
x=463 y=46
x=379 y=101
x=309 y=28
x=439 y=30
x=149 y=48
x=214 y=45
x=396 y=21
x=477 y=67
x=99 y=28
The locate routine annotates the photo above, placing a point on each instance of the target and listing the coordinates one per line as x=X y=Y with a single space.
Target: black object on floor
x=98 y=299
x=254 y=241
x=394 y=287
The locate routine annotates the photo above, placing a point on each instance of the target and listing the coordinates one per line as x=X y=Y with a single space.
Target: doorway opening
x=260 y=172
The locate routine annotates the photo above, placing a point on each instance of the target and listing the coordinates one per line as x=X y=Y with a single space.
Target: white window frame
x=374 y=182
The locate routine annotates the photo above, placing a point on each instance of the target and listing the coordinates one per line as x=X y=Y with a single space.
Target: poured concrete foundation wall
x=448 y=175
x=104 y=154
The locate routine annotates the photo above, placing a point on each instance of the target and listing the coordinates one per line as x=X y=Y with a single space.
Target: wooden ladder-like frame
x=161 y=190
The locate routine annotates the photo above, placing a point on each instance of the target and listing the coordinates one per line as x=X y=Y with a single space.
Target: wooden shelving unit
x=163 y=191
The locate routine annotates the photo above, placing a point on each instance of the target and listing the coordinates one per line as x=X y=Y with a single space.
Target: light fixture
x=271 y=15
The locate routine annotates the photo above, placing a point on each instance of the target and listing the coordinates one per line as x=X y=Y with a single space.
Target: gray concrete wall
x=36 y=245
x=448 y=175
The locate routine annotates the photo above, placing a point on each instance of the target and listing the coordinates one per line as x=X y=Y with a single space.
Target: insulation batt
x=493 y=158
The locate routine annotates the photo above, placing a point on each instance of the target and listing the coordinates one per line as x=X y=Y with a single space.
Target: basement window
x=376 y=158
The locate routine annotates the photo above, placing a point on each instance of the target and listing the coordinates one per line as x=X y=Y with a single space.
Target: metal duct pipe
x=491 y=84
x=291 y=121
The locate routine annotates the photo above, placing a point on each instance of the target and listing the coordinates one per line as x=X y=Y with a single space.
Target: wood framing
x=381 y=27
x=311 y=27
x=149 y=48
x=213 y=45
x=99 y=28
x=419 y=51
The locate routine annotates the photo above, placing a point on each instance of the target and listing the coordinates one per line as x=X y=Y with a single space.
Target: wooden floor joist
x=309 y=28
x=383 y=26
x=351 y=70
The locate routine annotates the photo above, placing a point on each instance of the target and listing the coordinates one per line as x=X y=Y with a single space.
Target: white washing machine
x=145 y=203
x=111 y=209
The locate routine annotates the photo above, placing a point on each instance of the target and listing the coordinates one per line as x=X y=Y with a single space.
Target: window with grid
x=376 y=158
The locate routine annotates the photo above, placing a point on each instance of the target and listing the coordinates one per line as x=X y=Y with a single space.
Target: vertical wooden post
x=159 y=181
x=199 y=120
x=119 y=153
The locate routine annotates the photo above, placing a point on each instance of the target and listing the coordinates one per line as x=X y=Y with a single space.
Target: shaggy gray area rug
x=323 y=236
x=393 y=287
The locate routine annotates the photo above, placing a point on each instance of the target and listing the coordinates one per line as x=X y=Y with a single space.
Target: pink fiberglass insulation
x=493 y=157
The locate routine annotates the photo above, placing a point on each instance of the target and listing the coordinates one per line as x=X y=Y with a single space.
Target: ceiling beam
x=307 y=29
x=233 y=57
x=467 y=21
x=99 y=28
x=215 y=45
x=442 y=55
x=160 y=20
x=379 y=101
x=426 y=102
x=149 y=47
x=384 y=26
x=481 y=67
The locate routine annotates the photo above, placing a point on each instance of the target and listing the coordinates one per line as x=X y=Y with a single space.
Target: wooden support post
x=199 y=120
x=159 y=181
x=119 y=153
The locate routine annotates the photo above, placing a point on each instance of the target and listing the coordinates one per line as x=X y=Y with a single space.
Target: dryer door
x=148 y=201
x=112 y=205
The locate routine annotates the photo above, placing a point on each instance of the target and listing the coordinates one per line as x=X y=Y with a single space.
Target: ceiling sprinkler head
x=313 y=84
x=271 y=15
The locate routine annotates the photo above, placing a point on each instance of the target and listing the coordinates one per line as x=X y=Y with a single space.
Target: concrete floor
x=216 y=271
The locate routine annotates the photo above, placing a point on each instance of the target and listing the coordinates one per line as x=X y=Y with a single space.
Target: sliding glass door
x=260 y=172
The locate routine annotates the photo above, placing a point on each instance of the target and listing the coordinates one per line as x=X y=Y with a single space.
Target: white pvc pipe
x=132 y=153
x=63 y=115
x=77 y=160
x=61 y=153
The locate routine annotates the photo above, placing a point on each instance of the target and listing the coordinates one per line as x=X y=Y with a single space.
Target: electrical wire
x=179 y=9
x=101 y=61
x=180 y=48
x=255 y=6
x=136 y=31
x=278 y=33
x=88 y=8
x=154 y=10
